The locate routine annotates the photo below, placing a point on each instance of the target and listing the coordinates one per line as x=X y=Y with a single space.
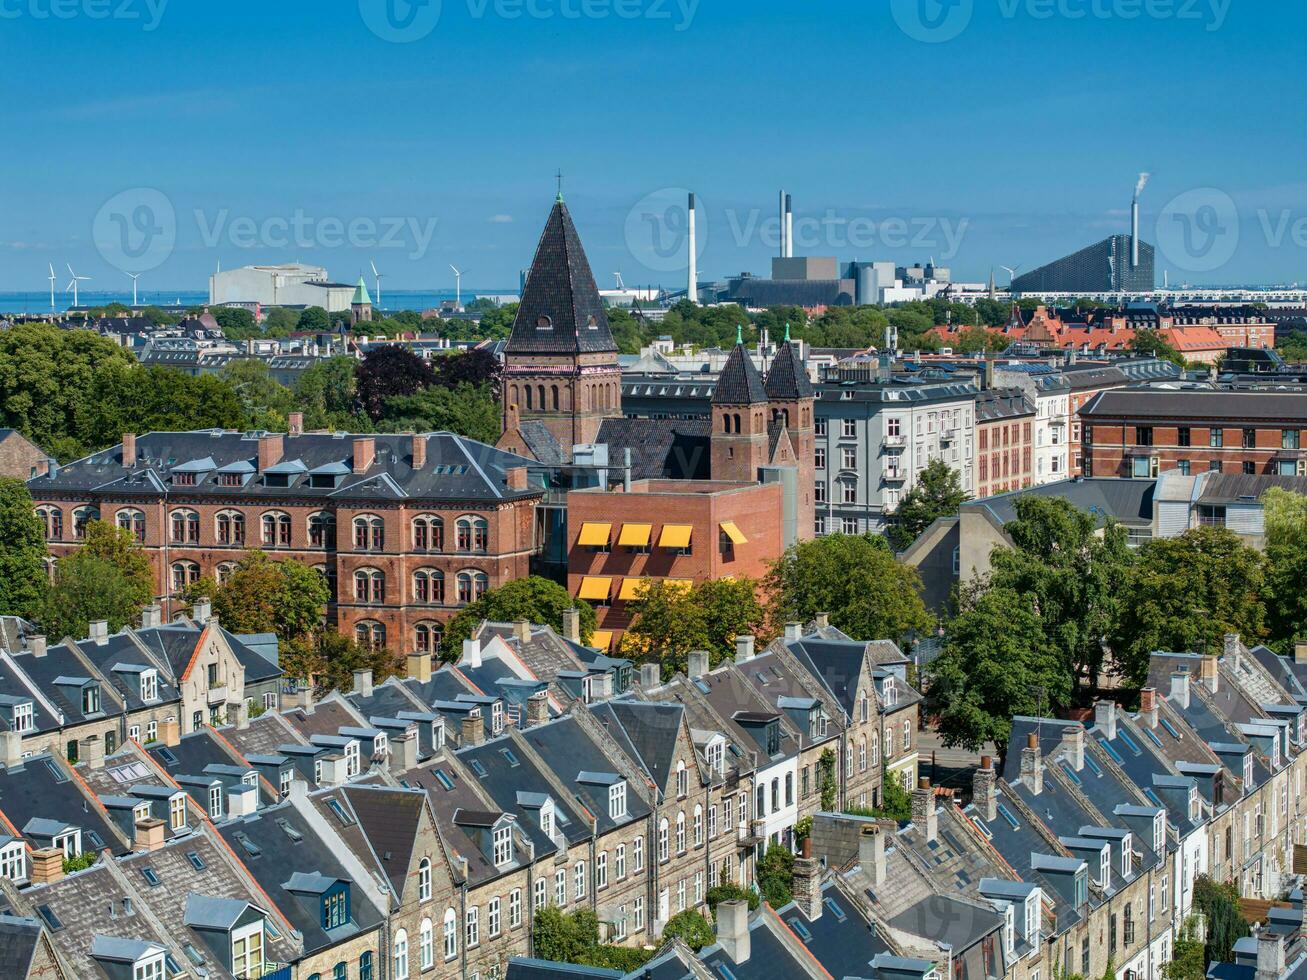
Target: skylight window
x=148 y=874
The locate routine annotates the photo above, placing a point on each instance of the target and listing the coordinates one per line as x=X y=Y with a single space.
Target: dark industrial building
x=1102 y=268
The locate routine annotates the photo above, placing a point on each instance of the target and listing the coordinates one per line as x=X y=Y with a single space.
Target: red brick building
x=683 y=531
x=1005 y=443
x=407 y=529
x=1141 y=432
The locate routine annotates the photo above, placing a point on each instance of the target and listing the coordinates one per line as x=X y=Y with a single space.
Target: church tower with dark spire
x=740 y=419
x=792 y=400
x=560 y=363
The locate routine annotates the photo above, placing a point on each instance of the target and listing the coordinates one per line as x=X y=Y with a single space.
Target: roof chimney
x=47 y=865
x=471 y=730
x=151 y=617
x=129 y=449
x=650 y=676
x=522 y=630
x=1209 y=673
x=1300 y=651
x=1270 y=954
x=537 y=709
x=270 y=450
x=295 y=423
x=419 y=667
x=149 y=834
x=697 y=664
x=471 y=653
x=36 y=645
x=515 y=478
x=1148 y=706
x=419 y=451
x=807 y=881
x=572 y=624
x=1073 y=739
x=1180 y=688
x=1105 y=717
x=733 y=930
x=11 y=749
x=923 y=809
x=823 y=620
x=365 y=452
x=793 y=631
x=983 y=789
x=99 y=632
x=363 y=683
x=744 y=648
x=871 y=854
x=1032 y=765
x=170 y=731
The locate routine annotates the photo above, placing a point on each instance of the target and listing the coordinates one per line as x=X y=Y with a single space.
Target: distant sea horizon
x=393 y=300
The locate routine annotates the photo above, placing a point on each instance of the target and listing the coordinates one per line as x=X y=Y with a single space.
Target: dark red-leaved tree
x=389 y=371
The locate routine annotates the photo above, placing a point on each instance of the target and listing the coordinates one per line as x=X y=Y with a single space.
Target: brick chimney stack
x=295 y=423
x=129 y=449
x=419 y=451
x=365 y=452
x=270 y=451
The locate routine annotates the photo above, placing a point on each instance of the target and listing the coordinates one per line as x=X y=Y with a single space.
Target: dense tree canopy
x=108 y=578
x=937 y=493
x=22 y=552
x=538 y=600
x=669 y=621
x=856 y=579
x=387 y=372
x=1286 y=568
x=263 y=595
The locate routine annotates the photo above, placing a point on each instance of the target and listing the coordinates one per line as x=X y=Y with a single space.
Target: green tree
x=730 y=892
x=826 y=784
x=1188 y=958
x=327 y=395
x=1150 y=343
x=130 y=398
x=996 y=662
x=937 y=493
x=464 y=410
x=87 y=589
x=1076 y=575
x=1286 y=567
x=237 y=324
x=776 y=876
x=119 y=548
x=535 y=599
x=387 y=372
x=669 y=621
x=691 y=928
x=1186 y=593
x=22 y=552
x=330 y=659
x=1218 y=903
x=856 y=579
x=281 y=322
x=314 y=319
x=895 y=802
x=48 y=377
x=573 y=937
x=262 y=595
x=265 y=400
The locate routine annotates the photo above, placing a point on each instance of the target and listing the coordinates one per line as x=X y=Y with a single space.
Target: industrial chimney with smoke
x=1140 y=184
x=789 y=227
x=692 y=293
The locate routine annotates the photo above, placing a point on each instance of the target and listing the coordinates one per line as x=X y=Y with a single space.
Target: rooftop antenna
x=72 y=285
x=134 y=277
x=458 y=279
x=53 y=280
x=379 y=277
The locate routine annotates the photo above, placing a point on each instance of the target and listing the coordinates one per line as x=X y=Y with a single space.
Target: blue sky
x=213 y=129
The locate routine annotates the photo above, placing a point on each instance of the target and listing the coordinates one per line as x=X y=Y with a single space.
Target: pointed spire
x=361 y=297
x=787 y=380
x=739 y=333
x=787 y=331
x=560 y=312
x=739 y=383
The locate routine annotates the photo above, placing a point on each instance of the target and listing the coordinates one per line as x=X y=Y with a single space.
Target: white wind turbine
x=133 y=278
x=458 y=289
x=53 y=280
x=72 y=284
x=379 y=277
x=1011 y=272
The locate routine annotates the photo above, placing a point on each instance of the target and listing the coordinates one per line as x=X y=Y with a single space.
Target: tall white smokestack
x=789 y=227
x=1140 y=184
x=693 y=292
x=782 y=226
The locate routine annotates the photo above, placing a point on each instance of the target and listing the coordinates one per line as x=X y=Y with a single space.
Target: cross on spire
x=559 y=175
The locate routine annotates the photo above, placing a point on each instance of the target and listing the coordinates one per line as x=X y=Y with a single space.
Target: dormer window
x=716 y=754
x=177 y=811
x=335 y=907
x=149 y=685
x=70 y=843
x=497 y=717
x=215 y=802
x=152 y=968
x=247 y=950
x=1193 y=804
x=1248 y=772
x=547 y=819
x=1105 y=867
x=891 y=693
x=617 y=800
x=1159 y=833
x=544 y=323
x=503 y=843
x=381 y=746
x=13 y=864
x=437 y=735
x=1127 y=855
x=91 y=699
x=23 y=717
x=1082 y=887
x=352 y=759
x=1032 y=915
x=1009 y=931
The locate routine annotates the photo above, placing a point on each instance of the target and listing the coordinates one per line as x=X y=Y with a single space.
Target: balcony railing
x=218 y=695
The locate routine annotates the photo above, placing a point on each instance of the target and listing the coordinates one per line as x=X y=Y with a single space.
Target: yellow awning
x=601 y=639
x=594 y=535
x=684 y=584
x=675 y=536
x=632 y=588
x=635 y=535
x=595 y=587
x=734 y=533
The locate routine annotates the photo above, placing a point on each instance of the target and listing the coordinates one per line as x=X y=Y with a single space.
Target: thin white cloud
x=501 y=219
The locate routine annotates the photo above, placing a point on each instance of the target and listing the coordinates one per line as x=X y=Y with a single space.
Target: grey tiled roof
x=739 y=383
x=677 y=449
x=787 y=378
x=1196 y=404
x=561 y=288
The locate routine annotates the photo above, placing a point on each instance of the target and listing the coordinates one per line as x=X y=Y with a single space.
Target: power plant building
x=1107 y=267
x=292 y=284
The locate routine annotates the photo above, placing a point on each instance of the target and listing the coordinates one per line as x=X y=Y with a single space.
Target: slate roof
x=18 y=941
x=560 y=287
x=739 y=383
x=390 y=819
x=1196 y=404
x=651 y=728
x=1126 y=500
x=787 y=380
x=675 y=449
x=456 y=468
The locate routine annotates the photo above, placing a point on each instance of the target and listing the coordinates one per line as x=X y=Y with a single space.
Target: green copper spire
x=739 y=334
x=787 y=331
x=559 y=198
